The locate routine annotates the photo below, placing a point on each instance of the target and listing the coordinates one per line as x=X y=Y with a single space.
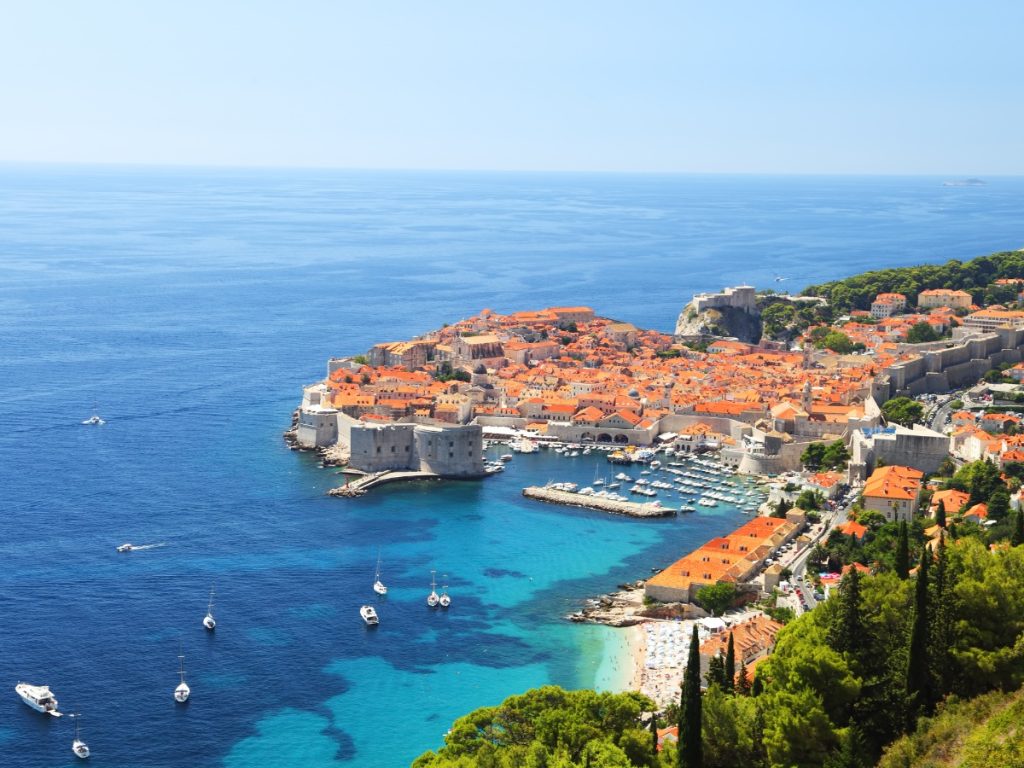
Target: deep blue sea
x=190 y=306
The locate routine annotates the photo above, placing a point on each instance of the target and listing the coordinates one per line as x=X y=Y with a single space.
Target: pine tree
x=919 y=689
x=690 y=748
x=1018 y=529
x=730 y=666
x=743 y=683
x=757 y=686
x=716 y=672
x=847 y=633
x=903 y=552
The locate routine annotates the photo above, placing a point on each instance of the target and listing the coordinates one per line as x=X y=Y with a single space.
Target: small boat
x=208 y=621
x=432 y=598
x=444 y=601
x=378 y=585
x=79 y=747
x=94 y=421
x=369 y=615
x=182 y=692
x=39 y=697
x=126 y=547
x=506 y=457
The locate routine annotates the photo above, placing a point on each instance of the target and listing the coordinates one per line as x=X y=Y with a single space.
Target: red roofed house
x=894 y=491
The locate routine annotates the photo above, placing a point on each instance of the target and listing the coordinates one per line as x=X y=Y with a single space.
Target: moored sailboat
x=182 y=692
x=208 y=621
x=432 y=598
x=79 y=747
x=378 y=585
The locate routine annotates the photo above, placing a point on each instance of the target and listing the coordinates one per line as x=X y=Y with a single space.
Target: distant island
x=964 y=183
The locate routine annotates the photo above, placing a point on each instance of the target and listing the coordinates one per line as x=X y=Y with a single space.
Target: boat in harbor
x=39 y=697
x=432 y=598
x=369 y=615
x=378 y=585
x=78 y=746
x=182 y=692
x=208 y=621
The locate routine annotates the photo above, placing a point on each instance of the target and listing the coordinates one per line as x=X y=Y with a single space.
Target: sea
x=188 y=307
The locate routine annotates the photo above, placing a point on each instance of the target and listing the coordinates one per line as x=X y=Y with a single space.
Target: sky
x=909 y=87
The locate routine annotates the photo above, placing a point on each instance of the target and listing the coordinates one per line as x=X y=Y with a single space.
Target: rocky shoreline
x=626 y=608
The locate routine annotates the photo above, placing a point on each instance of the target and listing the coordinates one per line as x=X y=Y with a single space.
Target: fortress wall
x=450 y=451
x=375 y=449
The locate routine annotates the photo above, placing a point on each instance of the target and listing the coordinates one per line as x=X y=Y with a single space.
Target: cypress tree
x=690 y=749
x=919 y=689
x=903 y=552
x=940 y=515
x=1018 y=529
x=654 y=734
x=730 y=666
x=757 y=686
x=743 y=684
x=847 y=634
x=941 y=630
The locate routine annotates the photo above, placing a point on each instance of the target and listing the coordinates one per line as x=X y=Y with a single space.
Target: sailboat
x=432 y=598
x=208 y=621
x=79 y=747
x=444 y=601
x=181 y=693
x=378 y=585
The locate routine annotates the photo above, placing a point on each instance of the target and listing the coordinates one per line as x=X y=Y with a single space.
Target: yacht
x=94 y=421
x=79 y=747
x=39 y=697
x=369 y=615
x=208 y=620
x=182 y=692
x=126 y=547
x=432 y=598
x=444 y=600
x=378 y=585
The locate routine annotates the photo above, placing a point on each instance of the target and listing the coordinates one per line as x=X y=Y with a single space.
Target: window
x=392 y=449
x=378 y=449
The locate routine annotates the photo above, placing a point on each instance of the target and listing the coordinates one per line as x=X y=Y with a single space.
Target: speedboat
x=39 y=697
x=182 y=692
x=208 y=621
x=369 y=615
x=94 y=421
x=79 y=747
x=126 y=547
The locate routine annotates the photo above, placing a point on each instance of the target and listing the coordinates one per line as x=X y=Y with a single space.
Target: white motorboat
x=39 y=697
x=182 y=692
x=378 y=585
x=208 y=621
x=432 y=598
x=444 y=600
x=369 y=615
x=94 y=421
x=126 y=547
x=79 y=747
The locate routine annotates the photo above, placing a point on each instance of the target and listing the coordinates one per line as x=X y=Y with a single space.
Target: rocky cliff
x=722 y=321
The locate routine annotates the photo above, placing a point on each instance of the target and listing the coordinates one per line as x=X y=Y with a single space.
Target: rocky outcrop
x=729 y=322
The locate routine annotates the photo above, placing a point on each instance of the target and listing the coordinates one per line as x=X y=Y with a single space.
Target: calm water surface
x=190 y=306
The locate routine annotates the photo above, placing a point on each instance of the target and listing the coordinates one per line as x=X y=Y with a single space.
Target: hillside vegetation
x=981 y=733
x=974 y=276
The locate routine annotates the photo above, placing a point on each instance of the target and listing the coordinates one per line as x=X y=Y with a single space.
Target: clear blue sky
x=792 y=87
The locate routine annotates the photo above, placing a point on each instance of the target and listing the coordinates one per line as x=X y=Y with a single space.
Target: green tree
x=846 y=633
x=838 y=342
x=1018 y=529
x=813 y=456
x=716 y=598
x=690 y=745
x=743 y=682
x=919 y=687
x=940 y=515
x=809 y=500
x=836 y=456
x=979 y=479
x=999 y=503
x=730 y=666
x=903 y=552
x=903 y=411
x=921 y=333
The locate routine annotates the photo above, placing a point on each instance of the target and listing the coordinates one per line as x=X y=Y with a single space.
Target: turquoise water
x=190 y=307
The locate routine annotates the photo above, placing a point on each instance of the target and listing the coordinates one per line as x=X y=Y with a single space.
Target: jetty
x=568 y=498
x=372 y=480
